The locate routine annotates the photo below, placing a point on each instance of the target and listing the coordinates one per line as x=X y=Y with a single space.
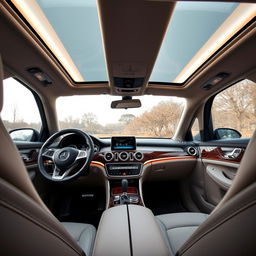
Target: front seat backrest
x=27 y=226
x=246 y=173
x=230 y=228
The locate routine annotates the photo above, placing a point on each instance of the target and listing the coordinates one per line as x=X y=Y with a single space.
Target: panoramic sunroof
x=192 y=24
x=76 y=23
x=72 y=32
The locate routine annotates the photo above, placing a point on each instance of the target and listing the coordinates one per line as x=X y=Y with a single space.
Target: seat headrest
x=1 y=84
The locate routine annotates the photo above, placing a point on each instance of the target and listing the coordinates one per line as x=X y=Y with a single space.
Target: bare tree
x=235 y=107
x=126 y=118
x=161 y=121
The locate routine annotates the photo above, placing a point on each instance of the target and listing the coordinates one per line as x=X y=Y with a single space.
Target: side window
x=20 y=112
x=234 y=111
x=195 y=130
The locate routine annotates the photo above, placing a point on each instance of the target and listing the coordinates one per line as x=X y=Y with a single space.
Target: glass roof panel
x=192 y=24
x=72 y=32
x=76 y=23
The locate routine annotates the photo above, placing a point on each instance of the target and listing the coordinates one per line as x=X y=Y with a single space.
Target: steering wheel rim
x=66 y=159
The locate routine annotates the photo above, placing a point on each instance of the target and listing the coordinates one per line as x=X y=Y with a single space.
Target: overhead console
x=132 y=43
x=129 y=77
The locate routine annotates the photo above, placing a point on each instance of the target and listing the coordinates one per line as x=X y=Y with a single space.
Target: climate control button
x=123 y=156
x=109 y=156
x=138 y=156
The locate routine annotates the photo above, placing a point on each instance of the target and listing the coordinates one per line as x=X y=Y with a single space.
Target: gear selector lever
x=124 y=185
x=124 y=197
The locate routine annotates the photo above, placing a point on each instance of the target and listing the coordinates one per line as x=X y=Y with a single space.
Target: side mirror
x=24 y=134
x=226 y=133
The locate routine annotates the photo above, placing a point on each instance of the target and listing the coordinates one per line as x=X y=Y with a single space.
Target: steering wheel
x=68 y=162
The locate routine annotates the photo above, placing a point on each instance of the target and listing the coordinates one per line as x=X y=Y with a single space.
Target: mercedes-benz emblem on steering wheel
x=64 y=155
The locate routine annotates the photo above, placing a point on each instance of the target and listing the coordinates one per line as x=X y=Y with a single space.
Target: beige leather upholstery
x=1 y=85
x=127 y=230
x=12 y=167
x=230 y=229
x=84 y=234
x=27 y=226
x=178 y=227
x=246 y=174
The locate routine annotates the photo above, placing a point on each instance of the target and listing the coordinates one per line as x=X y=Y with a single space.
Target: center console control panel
x=123 y=169
x=123 y=159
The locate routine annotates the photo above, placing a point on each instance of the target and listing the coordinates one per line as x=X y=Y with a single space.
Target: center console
x=124 y=192
x=123 y=167
x=129 y=230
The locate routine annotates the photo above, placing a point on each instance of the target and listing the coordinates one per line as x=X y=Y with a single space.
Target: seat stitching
x=36 y=221
x=184 y=227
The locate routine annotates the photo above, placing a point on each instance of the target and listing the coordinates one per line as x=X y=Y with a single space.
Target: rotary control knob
x=123 y=156
x=138 y=156
x=109 y=156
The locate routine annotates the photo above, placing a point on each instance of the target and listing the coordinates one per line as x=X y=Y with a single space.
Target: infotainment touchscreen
x=123 y=143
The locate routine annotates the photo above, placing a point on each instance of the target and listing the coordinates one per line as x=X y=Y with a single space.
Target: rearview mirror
x=226 y=133
x=24 y=134
x=126 y=103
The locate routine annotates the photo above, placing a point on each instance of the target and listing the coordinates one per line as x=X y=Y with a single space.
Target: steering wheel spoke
x=82 y=154
x=49 y=153
x=59 y=174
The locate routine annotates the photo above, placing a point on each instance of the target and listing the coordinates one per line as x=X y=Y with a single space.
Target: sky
x=20 y=98
x=191 y=25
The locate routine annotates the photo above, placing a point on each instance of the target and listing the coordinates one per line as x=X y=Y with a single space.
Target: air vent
x=138 y=156
x=192 y=151
x=109 y=156
x=123 y=156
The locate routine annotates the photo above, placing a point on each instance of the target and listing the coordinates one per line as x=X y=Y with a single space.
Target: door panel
x=216 y=169
x=29 y=154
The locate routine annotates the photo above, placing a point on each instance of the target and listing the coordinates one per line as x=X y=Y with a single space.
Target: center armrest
x=129 y=230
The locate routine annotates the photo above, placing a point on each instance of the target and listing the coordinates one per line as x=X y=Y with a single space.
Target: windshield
x=157 y=117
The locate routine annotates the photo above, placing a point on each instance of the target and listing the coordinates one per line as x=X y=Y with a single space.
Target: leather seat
x=229 y=230
x=27 y=226
x=84 y=234
x=178 y=227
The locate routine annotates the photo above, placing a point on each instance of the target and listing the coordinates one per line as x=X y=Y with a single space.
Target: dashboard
x=128 y=156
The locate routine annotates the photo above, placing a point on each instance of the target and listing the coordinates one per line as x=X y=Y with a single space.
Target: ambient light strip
x=32 y=12
x=236 y=21
x=97 y=164
x=166 y=159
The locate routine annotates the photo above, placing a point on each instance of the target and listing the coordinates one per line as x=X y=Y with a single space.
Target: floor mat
x=163 y=197
x=79 y=206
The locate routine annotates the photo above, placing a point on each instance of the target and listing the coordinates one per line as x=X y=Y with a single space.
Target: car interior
x=127 y=127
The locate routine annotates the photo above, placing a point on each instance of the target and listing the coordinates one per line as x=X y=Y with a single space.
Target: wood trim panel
x=216 y=153
x=148 y=156
x=152 y=161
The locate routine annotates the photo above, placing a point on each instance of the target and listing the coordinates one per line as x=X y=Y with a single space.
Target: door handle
x=234 y=154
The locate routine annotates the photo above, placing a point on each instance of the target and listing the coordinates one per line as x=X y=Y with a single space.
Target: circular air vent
x=123 y=156
x=138 y=156
x=192 y=151
x=109 y=156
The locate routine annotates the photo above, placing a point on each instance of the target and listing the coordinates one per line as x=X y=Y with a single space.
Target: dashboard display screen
x=123 y=143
